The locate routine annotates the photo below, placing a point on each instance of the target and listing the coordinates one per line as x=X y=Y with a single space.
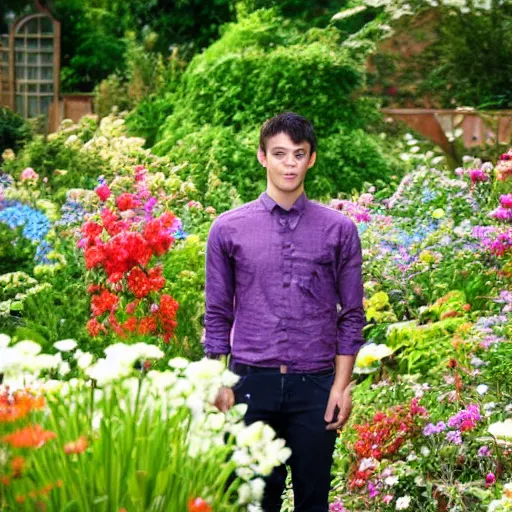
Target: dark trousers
x=293 y=404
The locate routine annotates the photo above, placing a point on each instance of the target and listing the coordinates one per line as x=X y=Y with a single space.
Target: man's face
x=286 y=162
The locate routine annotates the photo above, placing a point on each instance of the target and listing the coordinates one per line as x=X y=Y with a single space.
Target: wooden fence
x=443 y=126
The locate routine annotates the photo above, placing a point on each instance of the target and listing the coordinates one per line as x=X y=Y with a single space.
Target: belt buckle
x=283 y=369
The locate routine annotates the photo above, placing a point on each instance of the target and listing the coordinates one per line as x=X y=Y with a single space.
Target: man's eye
x=279 y=154
x=300 y=155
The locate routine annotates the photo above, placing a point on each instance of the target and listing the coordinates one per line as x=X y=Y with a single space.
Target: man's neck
x=284 y=199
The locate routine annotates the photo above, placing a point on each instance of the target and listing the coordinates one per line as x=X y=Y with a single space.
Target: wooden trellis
x=30 y=66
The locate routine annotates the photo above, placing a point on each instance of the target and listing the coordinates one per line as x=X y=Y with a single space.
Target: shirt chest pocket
x=315 y=278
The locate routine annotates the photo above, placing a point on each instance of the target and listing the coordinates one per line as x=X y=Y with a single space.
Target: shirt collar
x=299 y=206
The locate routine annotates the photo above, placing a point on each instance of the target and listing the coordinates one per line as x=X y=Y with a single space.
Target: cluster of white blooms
x=194 y=385
x=257 y=452
x=22 y=363
x=504 y=503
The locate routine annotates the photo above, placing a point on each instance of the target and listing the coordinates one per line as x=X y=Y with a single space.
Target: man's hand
x=341 y=401
x=225 y=399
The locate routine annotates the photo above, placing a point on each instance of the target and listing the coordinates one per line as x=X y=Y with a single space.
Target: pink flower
x=490 y=479
x=29 y=174
x=388 y=498
x=477 y=175
x=506 y=201
x=103 y=192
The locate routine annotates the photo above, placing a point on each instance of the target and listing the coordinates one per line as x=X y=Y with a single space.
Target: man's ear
x=262 y=158
x=312 y=160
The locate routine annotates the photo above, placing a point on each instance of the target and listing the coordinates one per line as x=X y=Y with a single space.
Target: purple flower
x=454 y=437
x=484 y=451
x=432 y=429
x=337 y=506
x=372 y=490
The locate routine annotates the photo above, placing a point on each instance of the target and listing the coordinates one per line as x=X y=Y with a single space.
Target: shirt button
x=282 y=221
x=286 y=284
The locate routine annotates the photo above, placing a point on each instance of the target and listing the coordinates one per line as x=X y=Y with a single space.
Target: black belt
x=243 y=369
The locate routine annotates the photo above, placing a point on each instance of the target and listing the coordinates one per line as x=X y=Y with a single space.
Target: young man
x=284 y=297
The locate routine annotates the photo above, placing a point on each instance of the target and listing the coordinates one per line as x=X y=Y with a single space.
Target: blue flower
x=35 y=225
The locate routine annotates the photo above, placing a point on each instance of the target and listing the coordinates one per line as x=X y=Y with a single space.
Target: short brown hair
x=298 y=128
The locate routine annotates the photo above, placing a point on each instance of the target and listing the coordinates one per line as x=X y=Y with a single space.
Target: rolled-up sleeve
x=351 y=318
x=219 y=291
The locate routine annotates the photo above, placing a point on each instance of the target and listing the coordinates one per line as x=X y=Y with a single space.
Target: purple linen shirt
x=284 y=286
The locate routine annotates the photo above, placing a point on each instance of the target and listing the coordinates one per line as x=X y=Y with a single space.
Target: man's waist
x=245 y=368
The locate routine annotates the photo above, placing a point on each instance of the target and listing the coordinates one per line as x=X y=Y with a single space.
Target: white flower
x=65 y=345
x=403 y=502
x=367 y=463
x=257 y=487
x=425 y=451
x=178 y=362
x=482 y=389
x=4 y=340
x=204 y=370
x=106 y=371
x=147 y=351
x=244 y=494
x=501 y=429
x=391 y=480
x=27 y=347
x=85 y=360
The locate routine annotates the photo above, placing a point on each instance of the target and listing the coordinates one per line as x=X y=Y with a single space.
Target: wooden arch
x=29 y=76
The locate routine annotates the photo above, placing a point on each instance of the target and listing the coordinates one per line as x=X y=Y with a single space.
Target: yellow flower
x=438 y=213
x=371 y=353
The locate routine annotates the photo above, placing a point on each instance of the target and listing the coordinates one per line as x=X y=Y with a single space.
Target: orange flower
x=5 y=480
x=18 y=405
x=17 y=465
x=29 y=437
x=20 y=499
x=78 y=446
x=198 y=505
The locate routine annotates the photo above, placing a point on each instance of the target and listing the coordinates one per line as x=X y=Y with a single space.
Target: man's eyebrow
x=296 y=149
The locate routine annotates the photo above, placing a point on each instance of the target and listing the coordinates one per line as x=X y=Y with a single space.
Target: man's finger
x=329 y=411
x=335 y=425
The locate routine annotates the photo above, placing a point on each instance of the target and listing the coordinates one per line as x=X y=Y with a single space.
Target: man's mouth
x=289 y=176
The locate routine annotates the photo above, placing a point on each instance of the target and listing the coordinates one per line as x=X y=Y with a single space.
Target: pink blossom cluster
x=496 y=240
x=29 y=174
x=357 y=212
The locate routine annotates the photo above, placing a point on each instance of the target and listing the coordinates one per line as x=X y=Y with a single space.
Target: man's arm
x=220 y=288
x=351 y=321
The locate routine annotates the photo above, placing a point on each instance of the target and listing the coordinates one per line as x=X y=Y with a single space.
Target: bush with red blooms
x=121 y=248
x=383 y=436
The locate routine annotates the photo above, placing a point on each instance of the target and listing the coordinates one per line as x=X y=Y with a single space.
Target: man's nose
x=289 y=160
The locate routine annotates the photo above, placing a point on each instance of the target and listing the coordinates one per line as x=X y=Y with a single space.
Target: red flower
x=198 y=505
x=130 y=308
x=156 y=280
x=75 y=447
x=157 y=235
x=103 y=192
x=147 y=325
x=92 y=229
x=138 y=283
x=94 y=327
x=94 y=288
x=32 y=436
x=130 y=325
x=18 y=464
x=94 y=256
x=103 y=302
x=126 y=201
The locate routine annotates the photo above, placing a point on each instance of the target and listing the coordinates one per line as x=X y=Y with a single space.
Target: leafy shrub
x=14 y=130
